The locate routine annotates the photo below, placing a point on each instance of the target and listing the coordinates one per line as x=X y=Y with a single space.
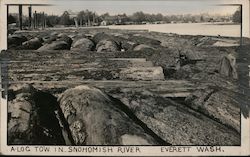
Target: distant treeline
x=90 y=18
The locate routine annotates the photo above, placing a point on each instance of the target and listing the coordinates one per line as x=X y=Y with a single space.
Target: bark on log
x=94 y=119
x=31 y=117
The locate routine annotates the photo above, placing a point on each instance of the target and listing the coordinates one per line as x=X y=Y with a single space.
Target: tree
x=39 y=18
x=65 y=19
x=82 y=17
x=202 y=19
x=159 y=17
x=124 y=17
x=11 y=19
x=237 y=16
x=138 y=17
x=52 y=20
x=89 y=17
x=105 y=16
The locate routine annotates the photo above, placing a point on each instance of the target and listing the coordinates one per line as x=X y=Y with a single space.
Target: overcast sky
x=164 y=7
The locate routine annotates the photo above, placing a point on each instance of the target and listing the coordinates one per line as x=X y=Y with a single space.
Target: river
x=231 y=30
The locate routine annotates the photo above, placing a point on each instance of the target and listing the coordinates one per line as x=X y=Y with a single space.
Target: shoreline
x=194 y=29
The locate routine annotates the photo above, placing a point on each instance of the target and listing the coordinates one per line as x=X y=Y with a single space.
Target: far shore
x=208 y=29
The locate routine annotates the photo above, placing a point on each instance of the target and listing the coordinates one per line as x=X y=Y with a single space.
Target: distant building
x=104 y=23
x=157 y=22
x=121 y=19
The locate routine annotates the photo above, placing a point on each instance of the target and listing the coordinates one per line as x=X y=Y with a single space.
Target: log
x=31 y=117
x=173 y=121
x=219 y=104
x=95 y=119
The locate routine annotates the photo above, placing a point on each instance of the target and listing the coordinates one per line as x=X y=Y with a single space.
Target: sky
x=165 y=7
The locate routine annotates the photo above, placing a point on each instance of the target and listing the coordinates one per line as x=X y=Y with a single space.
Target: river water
x=231 y=30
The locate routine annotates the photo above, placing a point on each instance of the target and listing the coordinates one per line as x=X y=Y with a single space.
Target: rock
x=143 y=47
x=32 y=44
x=16 y=40
x=94 y=118
x=227 y=66
x=174 y=122
x=31 y=118
x=56 y=45
x=217 y=104
x=107 y=46
x=83 y=44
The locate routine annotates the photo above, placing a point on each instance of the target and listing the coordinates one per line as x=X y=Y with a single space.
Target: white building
x=104 y=23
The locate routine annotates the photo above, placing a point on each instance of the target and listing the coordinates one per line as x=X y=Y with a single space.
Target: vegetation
x=90 y=18
x=11 y=19
x=237 y=16
x=65 y=19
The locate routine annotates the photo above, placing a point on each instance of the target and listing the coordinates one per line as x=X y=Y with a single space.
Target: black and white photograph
x=120 y=77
